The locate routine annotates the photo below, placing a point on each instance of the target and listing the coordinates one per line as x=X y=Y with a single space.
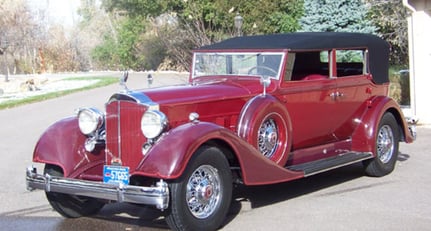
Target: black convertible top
x=308 y=41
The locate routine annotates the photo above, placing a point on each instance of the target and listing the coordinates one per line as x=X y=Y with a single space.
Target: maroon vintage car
x=257 y=110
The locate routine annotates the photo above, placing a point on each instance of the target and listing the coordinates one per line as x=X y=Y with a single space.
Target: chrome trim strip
x=242 y=114
x=137 y=97
x=157 y=196
x=119 y=129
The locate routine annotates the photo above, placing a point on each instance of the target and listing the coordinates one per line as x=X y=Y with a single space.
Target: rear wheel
x=71 y=206
x=387 y=142
x=200 y=199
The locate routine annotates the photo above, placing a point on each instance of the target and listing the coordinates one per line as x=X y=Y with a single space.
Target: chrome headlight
x=90 y=120
x=153 y=123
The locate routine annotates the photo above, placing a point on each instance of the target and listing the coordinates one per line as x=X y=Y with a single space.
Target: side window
x=289 y=66
x=309 y=66
x=271 y=64
x=351 y=62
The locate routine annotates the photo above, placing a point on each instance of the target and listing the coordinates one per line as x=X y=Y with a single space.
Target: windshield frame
x=246 y=54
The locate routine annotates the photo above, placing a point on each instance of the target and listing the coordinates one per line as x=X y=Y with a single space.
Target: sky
x=59 y=11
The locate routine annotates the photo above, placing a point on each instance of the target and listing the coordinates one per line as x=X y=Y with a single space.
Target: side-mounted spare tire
x=265 y=123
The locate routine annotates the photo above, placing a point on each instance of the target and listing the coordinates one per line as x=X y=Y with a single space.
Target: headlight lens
x=153 y=123
x=89 y=120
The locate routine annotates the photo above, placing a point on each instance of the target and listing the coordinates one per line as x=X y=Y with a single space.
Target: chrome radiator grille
x=124 y=138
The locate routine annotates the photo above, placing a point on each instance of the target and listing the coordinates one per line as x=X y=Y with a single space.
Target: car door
x=306 y=92
x=354 y=87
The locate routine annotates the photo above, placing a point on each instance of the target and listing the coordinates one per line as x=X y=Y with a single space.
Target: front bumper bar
x=157 y=196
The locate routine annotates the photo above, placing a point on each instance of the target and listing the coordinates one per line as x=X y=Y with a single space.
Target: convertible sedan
x=257 y=110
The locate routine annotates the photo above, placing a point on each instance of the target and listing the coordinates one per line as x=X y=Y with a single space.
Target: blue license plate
x=115 y=174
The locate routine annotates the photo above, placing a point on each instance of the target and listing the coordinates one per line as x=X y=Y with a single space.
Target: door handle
x=335 y=95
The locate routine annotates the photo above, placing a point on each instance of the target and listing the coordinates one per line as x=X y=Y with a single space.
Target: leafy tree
x=121 y=52
x=105 y=55
x=19 y=35
x=390 y=19
x=336 y=15
x=128 y=37
x=268 y=17
x=146 y=8
x=58 y=52
x=198 y=23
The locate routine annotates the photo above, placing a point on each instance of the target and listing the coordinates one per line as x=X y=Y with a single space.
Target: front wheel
x=71 y=206
x=386 y=150
x=200 y=199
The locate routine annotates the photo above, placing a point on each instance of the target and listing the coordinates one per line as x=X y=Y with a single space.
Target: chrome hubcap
x=268 y=138
x=203 y=191
x=385 y=144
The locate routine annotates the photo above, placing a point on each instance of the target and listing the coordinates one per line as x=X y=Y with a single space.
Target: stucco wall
x=420 y=59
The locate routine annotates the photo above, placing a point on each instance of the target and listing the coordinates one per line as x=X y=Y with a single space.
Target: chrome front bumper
x=157 y=196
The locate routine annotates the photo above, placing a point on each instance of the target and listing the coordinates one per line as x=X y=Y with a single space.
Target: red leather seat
x=314 y=77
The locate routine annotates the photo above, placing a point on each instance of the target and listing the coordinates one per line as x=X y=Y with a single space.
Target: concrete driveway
x=342 y=199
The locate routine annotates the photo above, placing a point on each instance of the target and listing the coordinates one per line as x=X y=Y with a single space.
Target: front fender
x=168 y=158
x=363 y=139
x=62 y=144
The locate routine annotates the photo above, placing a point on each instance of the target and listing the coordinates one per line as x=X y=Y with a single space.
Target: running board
x=323 y=165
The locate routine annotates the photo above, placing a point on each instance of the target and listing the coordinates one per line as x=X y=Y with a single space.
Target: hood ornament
x=123 y=81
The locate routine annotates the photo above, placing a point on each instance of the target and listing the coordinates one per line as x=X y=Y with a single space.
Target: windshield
x=237 y=63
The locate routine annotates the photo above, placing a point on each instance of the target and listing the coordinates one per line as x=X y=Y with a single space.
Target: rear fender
x=62 y=144
x=168 y=158
x=363 y=139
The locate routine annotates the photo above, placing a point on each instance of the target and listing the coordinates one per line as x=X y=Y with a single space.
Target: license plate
x=115 y=174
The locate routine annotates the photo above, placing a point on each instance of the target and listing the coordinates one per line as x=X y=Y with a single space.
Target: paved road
x=342 y=199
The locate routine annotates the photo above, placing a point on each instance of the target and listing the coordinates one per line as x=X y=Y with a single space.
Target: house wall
x=420 y=59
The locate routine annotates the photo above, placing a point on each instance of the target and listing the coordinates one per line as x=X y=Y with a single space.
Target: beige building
x=419 y=24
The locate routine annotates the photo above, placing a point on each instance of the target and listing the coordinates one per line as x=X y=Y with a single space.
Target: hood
x=218 y=101
x=203 y=91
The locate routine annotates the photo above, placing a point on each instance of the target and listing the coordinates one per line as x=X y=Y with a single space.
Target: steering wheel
x=256 y=68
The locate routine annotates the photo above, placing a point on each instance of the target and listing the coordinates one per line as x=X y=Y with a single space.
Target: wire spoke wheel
x=386 y=147
x=203 y=191
x=200 y=199
x=385 y=144
x=268 y=138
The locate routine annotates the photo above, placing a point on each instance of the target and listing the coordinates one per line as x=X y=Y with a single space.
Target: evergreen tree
x=336 y=15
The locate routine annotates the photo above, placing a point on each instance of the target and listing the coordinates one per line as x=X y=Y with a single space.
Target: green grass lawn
x=101 y=82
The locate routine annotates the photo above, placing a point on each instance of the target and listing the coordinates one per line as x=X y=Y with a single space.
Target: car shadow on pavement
x=251 y=197
x=258 y=196
x=403 y=157
x=121 y=216
x=132 y=217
